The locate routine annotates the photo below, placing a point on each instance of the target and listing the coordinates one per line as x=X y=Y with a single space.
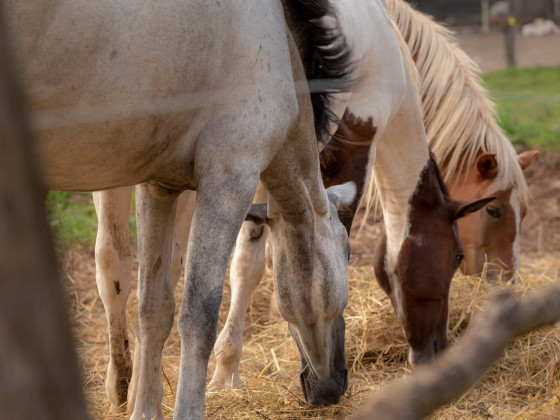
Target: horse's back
x=77 y=51
x=113 y=84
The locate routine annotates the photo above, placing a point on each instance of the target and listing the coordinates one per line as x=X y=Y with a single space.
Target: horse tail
x=325 y=55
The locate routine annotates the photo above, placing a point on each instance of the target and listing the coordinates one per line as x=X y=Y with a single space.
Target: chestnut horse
x=206 y=96
x=385 y=109
x=475 y=156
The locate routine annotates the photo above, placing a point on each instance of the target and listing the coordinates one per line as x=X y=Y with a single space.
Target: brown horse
x=476 y=158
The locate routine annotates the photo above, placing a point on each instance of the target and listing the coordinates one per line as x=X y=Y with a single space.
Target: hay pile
x=524 y=384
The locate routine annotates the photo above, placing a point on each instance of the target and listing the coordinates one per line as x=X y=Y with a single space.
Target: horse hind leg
x=113 y=264
x=156 y=304
x=246 y=272
x=183 y=219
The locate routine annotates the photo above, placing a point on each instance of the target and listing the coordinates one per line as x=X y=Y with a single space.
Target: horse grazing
x=474 y=154
x=421 y=251
x=384 y=112
x=203 y=96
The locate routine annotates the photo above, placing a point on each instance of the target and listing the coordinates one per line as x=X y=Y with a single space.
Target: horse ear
x=342 y=195
x=462 y=208
x=526 y=158
x=487 y=165
x=258 y=213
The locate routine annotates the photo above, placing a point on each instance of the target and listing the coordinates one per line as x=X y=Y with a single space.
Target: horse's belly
x=101 y=155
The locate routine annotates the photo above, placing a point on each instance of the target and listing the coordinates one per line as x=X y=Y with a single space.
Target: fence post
x=485 y=16
x=511 y=22
x=556 y=9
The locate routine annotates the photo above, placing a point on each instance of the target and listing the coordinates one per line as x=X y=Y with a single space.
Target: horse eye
x=460 y=258
x=494 y=212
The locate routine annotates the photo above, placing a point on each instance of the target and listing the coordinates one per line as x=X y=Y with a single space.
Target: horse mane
x=459 y=117
x=325 y=56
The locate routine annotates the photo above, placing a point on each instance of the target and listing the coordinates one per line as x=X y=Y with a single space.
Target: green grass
x=528 y=105
x=73 y=220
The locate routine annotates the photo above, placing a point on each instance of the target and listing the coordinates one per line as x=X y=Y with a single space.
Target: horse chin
x=324 y=391
x=427 y=355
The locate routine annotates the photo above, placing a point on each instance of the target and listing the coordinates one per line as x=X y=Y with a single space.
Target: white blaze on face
x=516 y=206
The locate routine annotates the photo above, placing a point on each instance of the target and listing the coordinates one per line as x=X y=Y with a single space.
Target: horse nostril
x=435 y=347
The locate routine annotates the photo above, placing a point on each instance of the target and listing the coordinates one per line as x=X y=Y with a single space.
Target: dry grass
x=524 y=384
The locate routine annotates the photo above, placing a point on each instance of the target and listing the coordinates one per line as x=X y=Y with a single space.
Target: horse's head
x=418 y=281
x=310 y=259
x=491 y=235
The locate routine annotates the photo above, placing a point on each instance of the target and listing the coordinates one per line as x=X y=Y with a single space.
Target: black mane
x=325 y=56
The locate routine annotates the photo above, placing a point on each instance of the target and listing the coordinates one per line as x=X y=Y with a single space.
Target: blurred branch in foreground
x=430 y=387
x=39 y=375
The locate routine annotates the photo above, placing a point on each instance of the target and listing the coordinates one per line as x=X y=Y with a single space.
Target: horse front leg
x=220 y=210
x=156 y=304
x=113 y=265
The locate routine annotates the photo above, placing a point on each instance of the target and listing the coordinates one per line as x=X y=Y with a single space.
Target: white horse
x=418 y=213
x=201 y=95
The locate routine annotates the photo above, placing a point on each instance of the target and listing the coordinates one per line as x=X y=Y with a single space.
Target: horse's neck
x=401 y=156
x=400 y=146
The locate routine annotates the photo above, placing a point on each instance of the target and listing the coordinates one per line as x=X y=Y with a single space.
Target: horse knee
x=248 y=264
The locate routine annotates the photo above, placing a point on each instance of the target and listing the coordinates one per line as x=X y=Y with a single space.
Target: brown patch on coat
x=345 y=158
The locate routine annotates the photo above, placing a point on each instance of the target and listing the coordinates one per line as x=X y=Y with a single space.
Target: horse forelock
x=326 y=57
x=460 y=118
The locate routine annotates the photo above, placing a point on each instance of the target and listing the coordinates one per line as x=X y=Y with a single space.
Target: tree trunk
x=39 y=376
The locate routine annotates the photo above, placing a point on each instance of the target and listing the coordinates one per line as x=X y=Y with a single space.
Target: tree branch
x=430 y=387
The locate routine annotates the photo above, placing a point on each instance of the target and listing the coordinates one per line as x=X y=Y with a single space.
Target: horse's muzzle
x=324 y=391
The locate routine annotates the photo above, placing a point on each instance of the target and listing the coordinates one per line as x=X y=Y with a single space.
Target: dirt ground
x=488 y=50
x=525 y=383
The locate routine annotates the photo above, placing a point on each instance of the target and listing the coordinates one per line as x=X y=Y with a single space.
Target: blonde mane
x=458 y=115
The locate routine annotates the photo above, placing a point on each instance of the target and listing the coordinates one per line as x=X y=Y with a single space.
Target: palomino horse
x=476 y=157
x=385 y=110
x=180 y=95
